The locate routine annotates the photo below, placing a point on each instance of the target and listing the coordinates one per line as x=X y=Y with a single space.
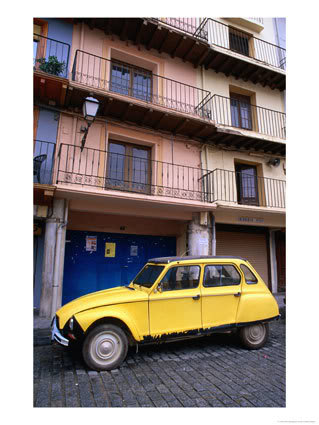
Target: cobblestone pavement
x=211 y=371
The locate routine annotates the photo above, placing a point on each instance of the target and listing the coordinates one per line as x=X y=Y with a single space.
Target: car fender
x=89 y=317
x=256 y=307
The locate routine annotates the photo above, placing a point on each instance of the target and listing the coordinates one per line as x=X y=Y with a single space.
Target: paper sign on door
x=110 y=249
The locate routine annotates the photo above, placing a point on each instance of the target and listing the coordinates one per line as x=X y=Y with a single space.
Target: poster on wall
x=110 y=249
x=134 y=251
x=91 y=243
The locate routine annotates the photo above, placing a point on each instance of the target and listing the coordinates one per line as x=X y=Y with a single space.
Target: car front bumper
x=57 y=336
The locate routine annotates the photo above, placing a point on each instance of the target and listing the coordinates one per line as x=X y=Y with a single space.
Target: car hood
x=111 y=296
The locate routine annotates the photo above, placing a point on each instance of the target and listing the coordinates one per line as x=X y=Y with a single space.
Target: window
x=148 y=275
x=240 y=109
x=239 y=41
x=249 y=275
x=218 y=275
x=131 y=81
x=185 y=277
x=247 y=184
x=128 y=167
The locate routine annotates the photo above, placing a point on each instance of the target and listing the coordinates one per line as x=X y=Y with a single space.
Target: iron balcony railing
x=43 y=160
x=238 y=41
x=237 y=113
x=114 y=76
x=188 y=25
x=51 y=56
x=244 y=188
x=113 y=171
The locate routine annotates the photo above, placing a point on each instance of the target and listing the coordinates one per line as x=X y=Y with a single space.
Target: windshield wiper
x=130 y=287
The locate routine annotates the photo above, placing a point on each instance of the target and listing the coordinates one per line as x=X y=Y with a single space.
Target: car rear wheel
x=254 y=336
x=105 y=347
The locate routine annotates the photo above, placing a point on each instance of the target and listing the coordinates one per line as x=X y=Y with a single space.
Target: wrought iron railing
x=187 y=25
x=237 y=113
x=104 y=170
x=238 y=41
x=241 y=188
x=51 y=56
x=112 y=171
x=114 y=76
x=43 y=161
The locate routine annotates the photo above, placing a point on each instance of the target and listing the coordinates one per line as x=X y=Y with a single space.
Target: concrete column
x=48 y=265
x=199 y=236
x=48 y=268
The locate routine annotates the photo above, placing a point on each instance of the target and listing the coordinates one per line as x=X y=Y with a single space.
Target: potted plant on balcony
x=51 y=65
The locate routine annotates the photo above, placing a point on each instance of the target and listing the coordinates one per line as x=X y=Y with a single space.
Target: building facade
x=185 y=155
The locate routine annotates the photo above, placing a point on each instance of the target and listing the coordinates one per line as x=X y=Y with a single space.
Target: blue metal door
x=114 y=260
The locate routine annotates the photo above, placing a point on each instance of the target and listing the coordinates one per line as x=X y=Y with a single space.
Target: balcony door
x=247 y=184
x=128 y=167
x=240 y=108
x=131 y=81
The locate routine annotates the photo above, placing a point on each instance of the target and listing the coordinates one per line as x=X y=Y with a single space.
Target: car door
x=220 y=293
x=175 y=305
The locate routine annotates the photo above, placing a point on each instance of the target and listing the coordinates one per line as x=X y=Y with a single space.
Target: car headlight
x=71 y=323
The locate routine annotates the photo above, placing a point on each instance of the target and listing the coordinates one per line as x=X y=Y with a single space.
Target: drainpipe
x=212 y=217
x=55 y=286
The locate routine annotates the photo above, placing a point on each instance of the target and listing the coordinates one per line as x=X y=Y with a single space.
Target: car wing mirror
x=159 y=287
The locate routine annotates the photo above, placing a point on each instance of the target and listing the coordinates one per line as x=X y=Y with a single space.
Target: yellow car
x=170 y=298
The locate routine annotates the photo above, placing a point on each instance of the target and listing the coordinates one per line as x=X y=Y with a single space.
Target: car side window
x=182 y=277
x=221 y=275
x=249 y=275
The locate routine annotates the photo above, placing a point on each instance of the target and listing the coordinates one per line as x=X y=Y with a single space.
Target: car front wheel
x=254 y=336
x=105 y=347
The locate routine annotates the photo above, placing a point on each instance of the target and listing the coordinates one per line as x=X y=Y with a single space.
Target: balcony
x=50 y=65
x=98 y=170
x=112 y=171
x=243 y=188
x=189 y=26
x=43 y=161
x=236 y=113
x=119 y=78
x=242 y=43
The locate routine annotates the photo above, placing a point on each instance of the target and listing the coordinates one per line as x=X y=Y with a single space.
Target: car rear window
x=249 y=275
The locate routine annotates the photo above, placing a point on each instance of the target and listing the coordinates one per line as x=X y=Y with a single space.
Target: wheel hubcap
x=256 y=333
x=106 y=348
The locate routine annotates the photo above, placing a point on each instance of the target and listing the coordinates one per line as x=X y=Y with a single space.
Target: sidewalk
x=41 y=330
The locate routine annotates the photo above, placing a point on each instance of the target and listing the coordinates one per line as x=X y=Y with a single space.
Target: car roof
x=167 y=260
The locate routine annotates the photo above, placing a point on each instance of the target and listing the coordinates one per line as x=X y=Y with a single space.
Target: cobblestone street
x=206 y=372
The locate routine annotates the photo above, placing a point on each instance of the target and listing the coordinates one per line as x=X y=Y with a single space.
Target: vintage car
x=170 y=298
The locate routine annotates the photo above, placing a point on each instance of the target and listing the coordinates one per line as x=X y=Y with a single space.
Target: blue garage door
x=96 y=261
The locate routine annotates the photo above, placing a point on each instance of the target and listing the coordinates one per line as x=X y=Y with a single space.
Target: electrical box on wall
x=203 y=218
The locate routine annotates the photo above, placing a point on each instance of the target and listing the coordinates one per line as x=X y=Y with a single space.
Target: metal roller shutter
x=252 y=247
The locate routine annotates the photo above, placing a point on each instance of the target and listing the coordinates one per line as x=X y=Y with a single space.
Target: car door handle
x=197 y=297
x=238 y=294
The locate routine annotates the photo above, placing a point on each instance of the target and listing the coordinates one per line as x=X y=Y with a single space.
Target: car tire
x=105 y=347
x=254 y=336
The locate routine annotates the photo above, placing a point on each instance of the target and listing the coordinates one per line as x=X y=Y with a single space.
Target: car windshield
x=148 y=275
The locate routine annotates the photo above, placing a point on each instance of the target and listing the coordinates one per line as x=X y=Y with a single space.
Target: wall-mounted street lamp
x=90 y=108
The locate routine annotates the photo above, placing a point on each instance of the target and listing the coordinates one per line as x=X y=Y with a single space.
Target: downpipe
x=55 y=286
